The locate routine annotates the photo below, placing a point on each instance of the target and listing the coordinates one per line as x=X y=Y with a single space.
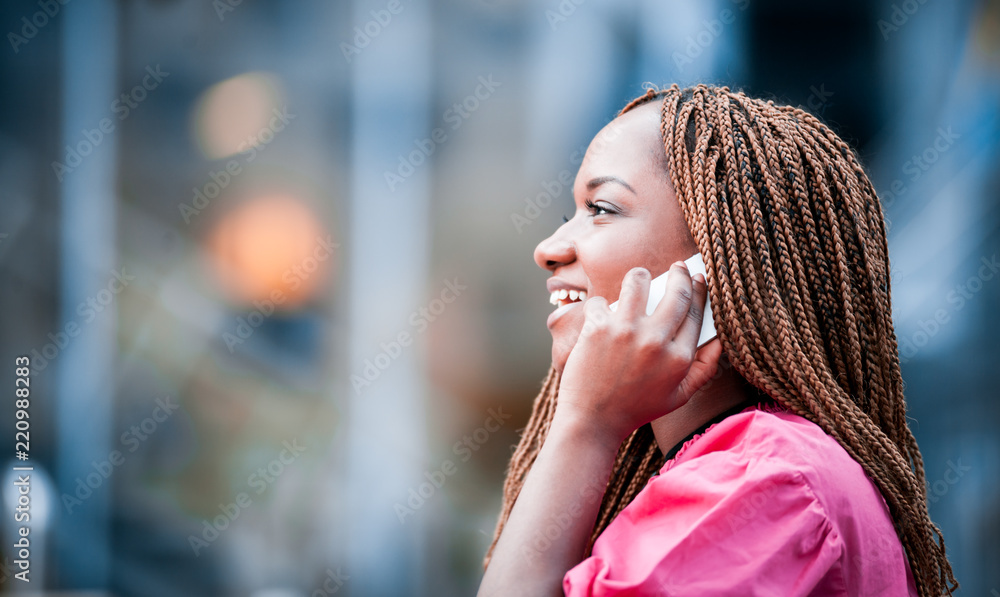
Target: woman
x=652 y=467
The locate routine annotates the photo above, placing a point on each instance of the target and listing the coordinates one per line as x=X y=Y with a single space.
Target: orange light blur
x=272 y=246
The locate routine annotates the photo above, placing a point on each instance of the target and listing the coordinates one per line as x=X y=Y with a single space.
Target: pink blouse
x=762 y=503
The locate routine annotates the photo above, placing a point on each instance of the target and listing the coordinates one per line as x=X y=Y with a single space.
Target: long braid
x=794 y=242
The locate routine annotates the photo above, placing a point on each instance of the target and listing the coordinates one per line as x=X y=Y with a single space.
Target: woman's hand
x=627 y=368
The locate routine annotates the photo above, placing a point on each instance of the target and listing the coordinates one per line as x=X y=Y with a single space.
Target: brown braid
x=794 y=242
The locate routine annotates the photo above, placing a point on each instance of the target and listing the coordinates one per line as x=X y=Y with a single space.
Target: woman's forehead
x=633 y=138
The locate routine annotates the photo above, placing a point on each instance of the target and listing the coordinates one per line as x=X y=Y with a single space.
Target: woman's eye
x=597 y=210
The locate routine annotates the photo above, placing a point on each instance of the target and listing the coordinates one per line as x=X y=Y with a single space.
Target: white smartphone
x=658 y=288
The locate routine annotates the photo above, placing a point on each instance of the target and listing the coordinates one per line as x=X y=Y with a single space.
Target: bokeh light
x=230 y=116
x=271 y=246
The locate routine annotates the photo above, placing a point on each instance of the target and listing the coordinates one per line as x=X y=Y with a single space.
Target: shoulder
x=762 y=503
x=772 y=443
x=723 y=518
x=779 y=462
x=755 y=433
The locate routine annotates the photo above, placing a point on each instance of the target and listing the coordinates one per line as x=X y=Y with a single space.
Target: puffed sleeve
x=712 y=526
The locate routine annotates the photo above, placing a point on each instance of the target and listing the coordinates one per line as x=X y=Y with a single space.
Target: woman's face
x=626 y=216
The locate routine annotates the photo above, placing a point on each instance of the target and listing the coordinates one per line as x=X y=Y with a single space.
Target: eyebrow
x=596 y=182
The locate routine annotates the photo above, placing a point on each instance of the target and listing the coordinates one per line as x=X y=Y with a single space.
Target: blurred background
x=272 y=263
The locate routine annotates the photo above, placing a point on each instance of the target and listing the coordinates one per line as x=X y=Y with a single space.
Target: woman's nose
x=555 y=251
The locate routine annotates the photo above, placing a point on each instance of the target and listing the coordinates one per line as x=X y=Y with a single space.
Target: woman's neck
x=720 y=394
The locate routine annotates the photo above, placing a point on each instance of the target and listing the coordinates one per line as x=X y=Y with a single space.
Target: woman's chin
x=558 y=359
x=565 y=332
x=562 y=345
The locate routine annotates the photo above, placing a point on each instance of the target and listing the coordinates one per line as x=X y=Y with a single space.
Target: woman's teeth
x=565 y=297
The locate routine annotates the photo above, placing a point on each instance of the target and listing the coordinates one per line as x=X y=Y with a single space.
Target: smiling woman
x=652 y=467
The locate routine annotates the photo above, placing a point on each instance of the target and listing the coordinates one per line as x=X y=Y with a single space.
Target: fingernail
x=699 y=278
x=681 y=264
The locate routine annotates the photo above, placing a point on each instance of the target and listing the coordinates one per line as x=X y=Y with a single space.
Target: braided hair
x=794 y=243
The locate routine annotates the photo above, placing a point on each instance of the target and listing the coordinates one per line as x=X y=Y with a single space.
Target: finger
x=595 y=314
x=672 y=310
x=635 y=292
x=704 y=368
x=709 y=356
x=690 y=329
